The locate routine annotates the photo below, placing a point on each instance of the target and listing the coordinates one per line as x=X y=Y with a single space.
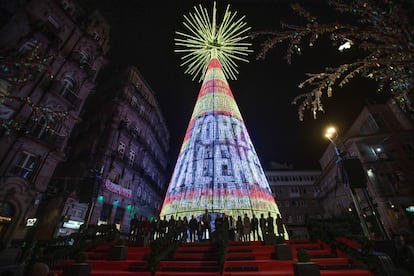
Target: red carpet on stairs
x=201 y=259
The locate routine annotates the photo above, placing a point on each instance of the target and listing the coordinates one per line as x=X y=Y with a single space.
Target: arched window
x=83 y=57
x=39 y=127
x=24 y=165
x=68 y=86
x=28 y=46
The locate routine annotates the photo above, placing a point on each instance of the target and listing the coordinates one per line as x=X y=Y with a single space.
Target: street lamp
x=332 y=134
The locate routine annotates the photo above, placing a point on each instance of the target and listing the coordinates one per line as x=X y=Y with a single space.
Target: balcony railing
x=39 y=131
x=59 y=88
x=83 y=63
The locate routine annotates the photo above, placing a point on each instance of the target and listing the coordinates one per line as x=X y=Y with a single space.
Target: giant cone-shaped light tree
x=217 y=167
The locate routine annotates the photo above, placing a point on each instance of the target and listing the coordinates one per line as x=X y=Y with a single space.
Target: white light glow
x=330 y=132
x=206 y=38
x=345 y=45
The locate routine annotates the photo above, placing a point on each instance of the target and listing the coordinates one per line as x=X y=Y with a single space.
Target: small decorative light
x=410 y=209
x=115 y=203
x=100 y=198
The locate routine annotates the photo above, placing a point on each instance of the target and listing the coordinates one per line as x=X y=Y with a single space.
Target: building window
x=106 y=212
x=53 y=21
x=83 y=57
x=121 y=149
x=96 y=35
x=119 y=215
x=25 y=165
x=126 y=184
x=39 y=127
x=373 y=123
x=68 y=86
x=76 y=213
x=114 y=177
x=131 y=158
x=28 y=46
x=134 y=101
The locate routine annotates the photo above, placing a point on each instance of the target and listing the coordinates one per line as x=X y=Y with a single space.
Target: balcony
x=83 y=60
x=39 y=131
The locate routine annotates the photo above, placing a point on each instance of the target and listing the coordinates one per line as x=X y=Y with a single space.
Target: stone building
x=382 y=138
x=52 y=52
x=296 y=195
x=121 y=153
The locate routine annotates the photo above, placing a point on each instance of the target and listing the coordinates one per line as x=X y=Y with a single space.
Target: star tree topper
x=207 y=39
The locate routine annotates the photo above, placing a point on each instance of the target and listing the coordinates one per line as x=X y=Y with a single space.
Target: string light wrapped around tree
x=382 y=30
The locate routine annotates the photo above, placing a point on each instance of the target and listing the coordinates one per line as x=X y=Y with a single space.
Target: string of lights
x=384 y=33
x=206 y=39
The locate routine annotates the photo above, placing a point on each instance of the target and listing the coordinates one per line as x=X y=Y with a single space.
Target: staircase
x=98 y=258
x=192 y=258
x=201 y=259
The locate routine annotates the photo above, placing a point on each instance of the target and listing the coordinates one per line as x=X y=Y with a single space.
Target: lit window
x=24 y=165
x=131 y=158
x=121 y=149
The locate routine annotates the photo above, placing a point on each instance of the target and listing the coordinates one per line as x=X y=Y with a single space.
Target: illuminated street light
x=332 y=134
x=330 y=131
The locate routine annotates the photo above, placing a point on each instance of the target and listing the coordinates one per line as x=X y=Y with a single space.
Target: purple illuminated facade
x=31 y=149
x=120 y=152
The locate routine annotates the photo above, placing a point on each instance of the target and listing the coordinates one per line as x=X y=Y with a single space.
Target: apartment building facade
x=124 y=142
x=297 y=197
x=52 y=52
x=382 y=138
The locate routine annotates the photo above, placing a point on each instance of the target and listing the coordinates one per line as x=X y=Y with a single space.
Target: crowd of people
x=204 y=228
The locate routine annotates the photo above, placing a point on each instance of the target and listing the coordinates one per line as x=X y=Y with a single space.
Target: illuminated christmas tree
x=217 y=167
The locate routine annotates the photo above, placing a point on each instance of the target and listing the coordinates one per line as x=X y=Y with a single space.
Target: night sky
x=142 y=34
